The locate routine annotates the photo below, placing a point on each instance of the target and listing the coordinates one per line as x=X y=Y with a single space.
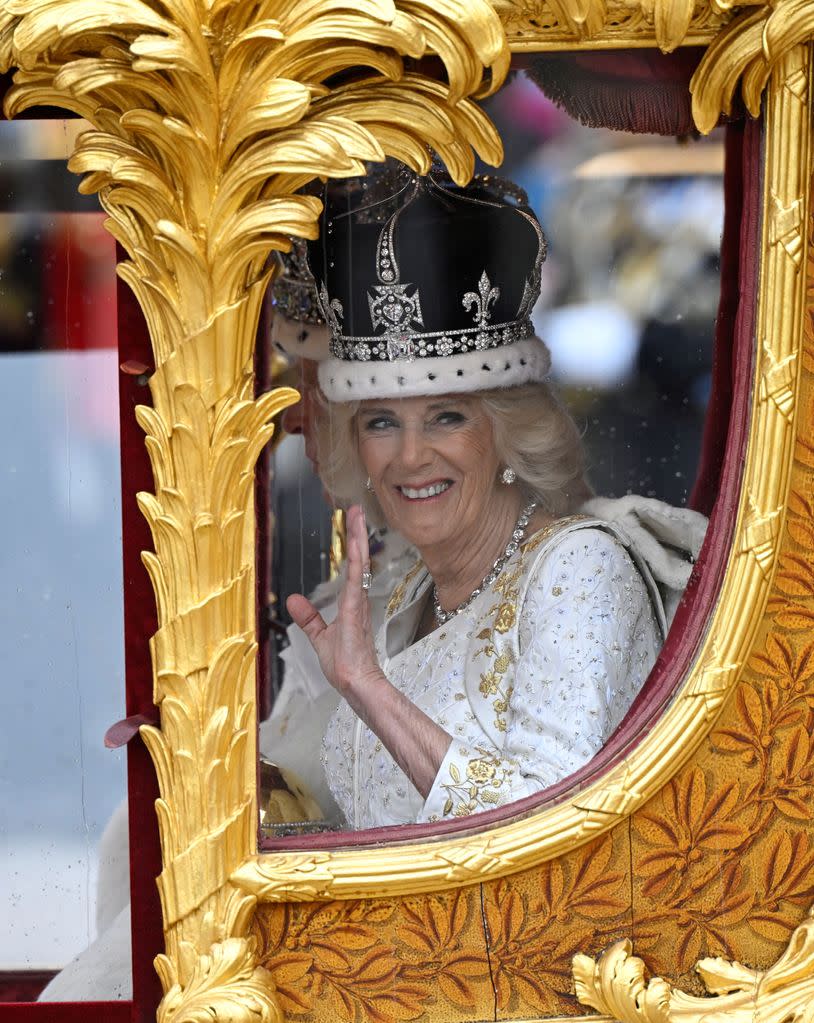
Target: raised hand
x=348 y=659
x=345 y=648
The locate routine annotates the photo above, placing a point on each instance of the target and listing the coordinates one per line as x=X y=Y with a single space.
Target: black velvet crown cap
x=430 y=271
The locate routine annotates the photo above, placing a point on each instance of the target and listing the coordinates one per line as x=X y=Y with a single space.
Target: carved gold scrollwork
x=222 y=984
x=582 y=17
x=748 y=50
x=615 y=986
x=600 y=24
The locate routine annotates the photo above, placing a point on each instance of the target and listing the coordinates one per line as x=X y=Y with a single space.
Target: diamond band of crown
x=409 y=346
x=401 y=323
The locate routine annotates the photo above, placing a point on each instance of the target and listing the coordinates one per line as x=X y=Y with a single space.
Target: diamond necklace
x=519 y=531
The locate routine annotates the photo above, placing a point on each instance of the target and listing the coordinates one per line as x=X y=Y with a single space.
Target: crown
x=447 y=271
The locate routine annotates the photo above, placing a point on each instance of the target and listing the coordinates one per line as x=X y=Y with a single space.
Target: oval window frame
x=477 y=852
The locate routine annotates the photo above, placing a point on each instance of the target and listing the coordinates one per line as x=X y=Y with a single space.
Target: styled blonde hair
x=532 y=431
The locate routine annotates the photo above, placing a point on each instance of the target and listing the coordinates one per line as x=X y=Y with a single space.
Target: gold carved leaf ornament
x=615 y=986
x=207 y=117
x=748 y=50
x=666 y=22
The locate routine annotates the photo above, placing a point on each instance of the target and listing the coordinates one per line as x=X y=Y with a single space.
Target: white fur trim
x=507 y=366
x=300 y=340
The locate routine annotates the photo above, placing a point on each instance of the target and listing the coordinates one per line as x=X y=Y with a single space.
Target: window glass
x=630 y=290
x=61 y=644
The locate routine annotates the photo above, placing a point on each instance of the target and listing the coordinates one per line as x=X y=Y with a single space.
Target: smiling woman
x=515 y=645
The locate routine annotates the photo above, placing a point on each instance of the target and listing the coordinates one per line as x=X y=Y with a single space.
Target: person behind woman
x=517 y=643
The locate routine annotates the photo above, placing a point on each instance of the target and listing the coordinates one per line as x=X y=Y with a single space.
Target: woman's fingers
x=357 y=532
x=306 y=616
x=345 y=647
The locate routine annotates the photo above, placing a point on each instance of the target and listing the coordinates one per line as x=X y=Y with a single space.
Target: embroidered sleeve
x=587 y=639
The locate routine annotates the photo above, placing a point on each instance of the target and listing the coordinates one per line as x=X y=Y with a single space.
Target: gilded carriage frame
x=232 y=92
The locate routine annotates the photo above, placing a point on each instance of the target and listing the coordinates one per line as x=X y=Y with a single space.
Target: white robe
x=529 y=680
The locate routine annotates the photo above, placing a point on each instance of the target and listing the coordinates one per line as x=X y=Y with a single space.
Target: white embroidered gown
x=529 y=681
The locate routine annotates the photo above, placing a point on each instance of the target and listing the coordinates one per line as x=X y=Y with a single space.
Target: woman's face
x=432 y=463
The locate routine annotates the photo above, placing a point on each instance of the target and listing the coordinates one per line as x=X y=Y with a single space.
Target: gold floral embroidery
x=478 y=786
x=503 y=663
x=489 y=683
x=544 y=534
x=504 y=619
x=506 y=616
x=480 y=771
x=399 y=593
x=493 y=681
x=506 y=585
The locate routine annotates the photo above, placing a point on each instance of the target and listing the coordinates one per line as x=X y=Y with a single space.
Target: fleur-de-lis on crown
x=486 y=296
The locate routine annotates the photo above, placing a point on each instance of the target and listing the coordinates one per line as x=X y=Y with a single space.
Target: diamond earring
x=368 y=484
x=508 y=476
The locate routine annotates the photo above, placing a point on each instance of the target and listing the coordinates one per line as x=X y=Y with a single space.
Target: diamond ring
x=367 y=579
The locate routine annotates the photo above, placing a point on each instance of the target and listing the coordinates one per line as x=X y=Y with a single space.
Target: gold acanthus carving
x=615 y=986
x=745 y=40
x=600 y=24
x=207 y=117
x=748 y=50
